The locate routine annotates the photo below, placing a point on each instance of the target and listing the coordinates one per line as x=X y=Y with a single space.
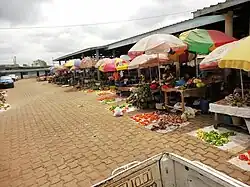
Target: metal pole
x=241 y=82
x=159 y=69
x=196 y=67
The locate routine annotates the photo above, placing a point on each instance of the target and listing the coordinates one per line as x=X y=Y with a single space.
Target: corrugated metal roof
x=219 y=6
x=79 y=52
x=171 y=29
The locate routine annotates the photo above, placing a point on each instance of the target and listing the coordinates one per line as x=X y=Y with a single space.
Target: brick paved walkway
x=46 y=140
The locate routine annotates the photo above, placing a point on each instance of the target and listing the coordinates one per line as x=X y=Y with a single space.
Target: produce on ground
x=167 y=121
x=215 y=138
x=245 y=157
x=124 y=107
x=3 y=104
x=141 y=97
x=146 y=118
x=89 y=91
x=106 y=97
x=106 y=101
x=102 y=93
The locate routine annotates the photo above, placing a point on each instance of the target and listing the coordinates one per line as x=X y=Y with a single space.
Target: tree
x=39 y=63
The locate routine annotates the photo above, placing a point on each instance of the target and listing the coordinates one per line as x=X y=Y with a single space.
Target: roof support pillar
x=229 y=23
x=60 y=63
x=113 y=53
x=97 y=54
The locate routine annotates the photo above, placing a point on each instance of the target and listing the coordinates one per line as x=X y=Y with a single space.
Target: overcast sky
x=30 y=44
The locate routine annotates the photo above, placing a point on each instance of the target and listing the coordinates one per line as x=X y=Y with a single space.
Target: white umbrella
x=136 y=62
x=157 y=43
x=125 y=57
x=212 y=59
x=146 y=61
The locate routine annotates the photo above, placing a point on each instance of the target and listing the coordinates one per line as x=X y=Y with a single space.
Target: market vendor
x=116 y=77
x=110 y=80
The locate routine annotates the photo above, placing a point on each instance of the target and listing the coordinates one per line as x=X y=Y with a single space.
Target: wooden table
x=190 y=92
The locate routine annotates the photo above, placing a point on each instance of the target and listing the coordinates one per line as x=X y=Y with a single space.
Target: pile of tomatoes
x=146 y=118
x=245 y=157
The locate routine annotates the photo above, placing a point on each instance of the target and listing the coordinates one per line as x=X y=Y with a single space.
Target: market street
x=47 y=140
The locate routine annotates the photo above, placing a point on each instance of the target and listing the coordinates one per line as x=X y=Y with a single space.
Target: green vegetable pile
x=120 y=106
x=106 y=101
x=215 y=138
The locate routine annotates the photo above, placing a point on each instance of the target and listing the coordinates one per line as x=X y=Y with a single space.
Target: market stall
x=184 y=93
x=222 y=107
x=234 y=55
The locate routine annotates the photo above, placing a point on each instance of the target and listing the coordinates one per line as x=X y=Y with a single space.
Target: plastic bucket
x=248 y=124
x=204 y=106
x=236 y=120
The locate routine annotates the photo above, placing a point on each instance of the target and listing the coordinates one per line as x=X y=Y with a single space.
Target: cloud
x=31 y=44
x=17 y=12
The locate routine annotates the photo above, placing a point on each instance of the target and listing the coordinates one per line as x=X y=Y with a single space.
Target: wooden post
x=177 y=66
x=196 y=66
x=159 y=69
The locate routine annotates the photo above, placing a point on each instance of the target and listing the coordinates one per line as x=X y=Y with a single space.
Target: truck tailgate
x=169 y=170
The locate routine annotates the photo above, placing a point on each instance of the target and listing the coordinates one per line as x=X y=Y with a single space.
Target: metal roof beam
x=80 y=52
x=218 y=7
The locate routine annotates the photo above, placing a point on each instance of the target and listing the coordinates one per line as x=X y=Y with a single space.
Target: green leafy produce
x=120 y=106
x=106 y=101
x=215 y=138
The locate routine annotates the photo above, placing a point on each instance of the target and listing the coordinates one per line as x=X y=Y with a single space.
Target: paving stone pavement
x=46 y=140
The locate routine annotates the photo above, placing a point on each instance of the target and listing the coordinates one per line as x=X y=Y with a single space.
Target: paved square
x=46 y=140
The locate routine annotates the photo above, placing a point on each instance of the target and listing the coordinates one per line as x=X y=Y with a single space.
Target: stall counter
x=189 y=92
x=221 y=107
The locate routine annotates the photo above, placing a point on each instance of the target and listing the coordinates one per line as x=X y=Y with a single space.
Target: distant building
x=39 y=63
x=24 y=71
x=9 y=66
